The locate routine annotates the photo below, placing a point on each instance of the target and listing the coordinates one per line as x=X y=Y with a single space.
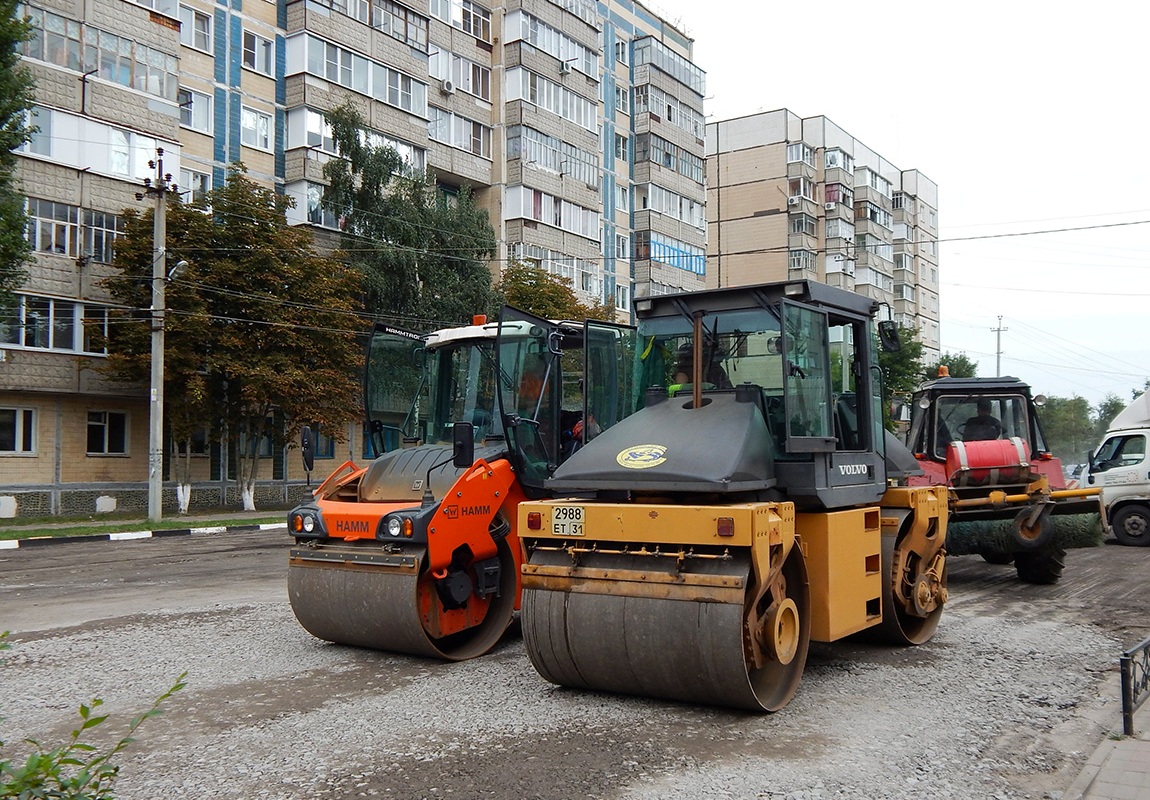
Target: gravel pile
x=991 y=708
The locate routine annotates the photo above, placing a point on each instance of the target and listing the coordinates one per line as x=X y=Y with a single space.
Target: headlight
x=394 y=526
x=308 y=523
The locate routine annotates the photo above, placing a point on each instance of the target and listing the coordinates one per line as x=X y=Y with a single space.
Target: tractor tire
x=1131 y=525
x=991 y=557
x=1040 y=567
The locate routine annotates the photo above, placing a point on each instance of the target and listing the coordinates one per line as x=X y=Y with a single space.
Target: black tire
x=1131 y=525
x=1040 y=567
x=997 y=558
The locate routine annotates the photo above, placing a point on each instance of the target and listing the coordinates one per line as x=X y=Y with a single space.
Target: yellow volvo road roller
x=694 y=549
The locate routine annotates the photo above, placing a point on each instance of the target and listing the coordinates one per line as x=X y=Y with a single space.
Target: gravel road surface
x=1007 y=701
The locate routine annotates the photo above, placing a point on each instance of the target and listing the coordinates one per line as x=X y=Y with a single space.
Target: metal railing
x=1135 y=666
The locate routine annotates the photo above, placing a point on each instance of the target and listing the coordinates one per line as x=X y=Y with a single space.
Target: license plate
x=567 y=521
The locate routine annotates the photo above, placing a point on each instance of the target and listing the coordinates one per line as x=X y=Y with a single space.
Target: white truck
x=1121 y=467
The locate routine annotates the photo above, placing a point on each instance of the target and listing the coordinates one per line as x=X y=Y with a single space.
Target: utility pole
x=158 y=189
x=998 y=347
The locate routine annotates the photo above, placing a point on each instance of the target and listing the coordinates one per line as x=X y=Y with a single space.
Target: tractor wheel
x=997 y=558
x=1032 y=538
x=1042 y=567
x=1132 y=526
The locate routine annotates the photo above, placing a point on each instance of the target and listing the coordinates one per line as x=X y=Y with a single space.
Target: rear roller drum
x=342 y=594
x=913 y=597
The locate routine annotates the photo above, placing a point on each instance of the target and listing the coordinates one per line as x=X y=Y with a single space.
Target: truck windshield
x=460 y=387
x=971 y=418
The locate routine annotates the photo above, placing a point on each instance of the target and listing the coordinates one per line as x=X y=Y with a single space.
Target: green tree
x=901 y=370
x=957 y=364
x=1110 y=407
x=261 y=333
x=1069 y=429
x=16 y=99
x=422 y=250
x=535 y=290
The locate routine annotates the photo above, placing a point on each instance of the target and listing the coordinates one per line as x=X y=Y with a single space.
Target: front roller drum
x=359 y=594
x=633 y=629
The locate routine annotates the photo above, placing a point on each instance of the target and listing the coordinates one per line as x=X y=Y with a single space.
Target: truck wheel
x=1041 y=567
x=1132 y=526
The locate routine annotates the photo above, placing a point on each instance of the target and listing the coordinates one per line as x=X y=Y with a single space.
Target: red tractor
x=981 y=438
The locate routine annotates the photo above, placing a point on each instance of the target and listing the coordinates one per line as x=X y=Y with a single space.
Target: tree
x=957 y=365
x=261 y=331
x=422 y=251
x=901 y=370
x=537 y=291
x=1110 y=407
x=1069 y=430
x=16 y=100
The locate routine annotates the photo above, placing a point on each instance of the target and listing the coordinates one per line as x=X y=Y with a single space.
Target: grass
x=29 y=527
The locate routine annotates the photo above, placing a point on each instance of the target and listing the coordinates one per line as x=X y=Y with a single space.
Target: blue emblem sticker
x=642 y=456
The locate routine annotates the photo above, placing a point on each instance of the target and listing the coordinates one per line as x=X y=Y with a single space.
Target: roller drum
x=356 y=595
x=601 y=636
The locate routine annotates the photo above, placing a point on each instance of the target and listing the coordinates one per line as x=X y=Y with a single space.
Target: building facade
x=794 y=198
x=577 y=125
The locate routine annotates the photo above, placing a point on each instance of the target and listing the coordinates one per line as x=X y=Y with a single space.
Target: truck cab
x=1121 y=468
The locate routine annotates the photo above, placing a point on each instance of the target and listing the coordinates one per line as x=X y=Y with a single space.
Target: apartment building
x=577 y=125
x=800 y=198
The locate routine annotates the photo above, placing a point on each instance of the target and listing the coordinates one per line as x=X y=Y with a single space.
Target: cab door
x=609 y=388
x=1120 y=466
x=393 y=375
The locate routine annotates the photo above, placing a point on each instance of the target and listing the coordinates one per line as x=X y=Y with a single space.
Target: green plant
x=75 y=770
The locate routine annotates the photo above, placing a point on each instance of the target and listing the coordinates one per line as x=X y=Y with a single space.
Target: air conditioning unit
x=793 y=201
x=564 y=67
x=829 y=206
x=447 y=87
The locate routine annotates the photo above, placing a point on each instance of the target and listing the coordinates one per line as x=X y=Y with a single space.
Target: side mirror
x=307 y=448
x=888 y=336
x=463 y=444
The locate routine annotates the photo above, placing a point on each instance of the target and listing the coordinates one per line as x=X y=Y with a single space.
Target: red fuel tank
x=988 y=463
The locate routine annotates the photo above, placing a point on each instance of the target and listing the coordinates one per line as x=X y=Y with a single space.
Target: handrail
x=1135 y=666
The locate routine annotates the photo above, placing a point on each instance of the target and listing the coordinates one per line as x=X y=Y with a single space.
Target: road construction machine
x=981 y=438
x=693 y=550
x=418 y=551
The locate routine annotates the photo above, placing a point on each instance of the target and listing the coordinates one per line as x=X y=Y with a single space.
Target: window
x=255 y=128
x=17 y=430
x=525 y=85
x=840 y=229
x=803 y=260
x=358 y=73
x=620 y=147
x=869 y=212
x=317 y=212
x=95 y=321
x=622 y=52
x=101 y=229
x=519 y=25
x=672 y=252
x=622 y=247
x=803 y=223
x=663 y=107
x=837 y=159
x=801 y=187
x=457 y=131
x=195 y=29
x=41 y=141
x=622 y=100
x=322 y=445
x=552 y=154
x=119 y=153
x=622 y=199
x=356 y=9
x=258 y=54
x=195 y=110
x=400 y=23
x=107 y=433
x=838 y=193
x=800 y=153
x=527 y=203
x=649 y=147
x=649 y=50
x=53 y=227
x=466 y=75
x=196 y=184
x=469 y=17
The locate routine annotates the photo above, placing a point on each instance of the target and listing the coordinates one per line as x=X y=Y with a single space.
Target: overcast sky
x=1030 y=117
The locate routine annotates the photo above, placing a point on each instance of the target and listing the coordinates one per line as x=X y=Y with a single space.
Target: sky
x=1032 y=119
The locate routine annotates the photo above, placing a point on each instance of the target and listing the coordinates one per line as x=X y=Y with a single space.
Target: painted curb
x=123 y=536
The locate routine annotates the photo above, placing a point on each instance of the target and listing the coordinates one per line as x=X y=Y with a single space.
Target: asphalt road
x=1008 y=700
